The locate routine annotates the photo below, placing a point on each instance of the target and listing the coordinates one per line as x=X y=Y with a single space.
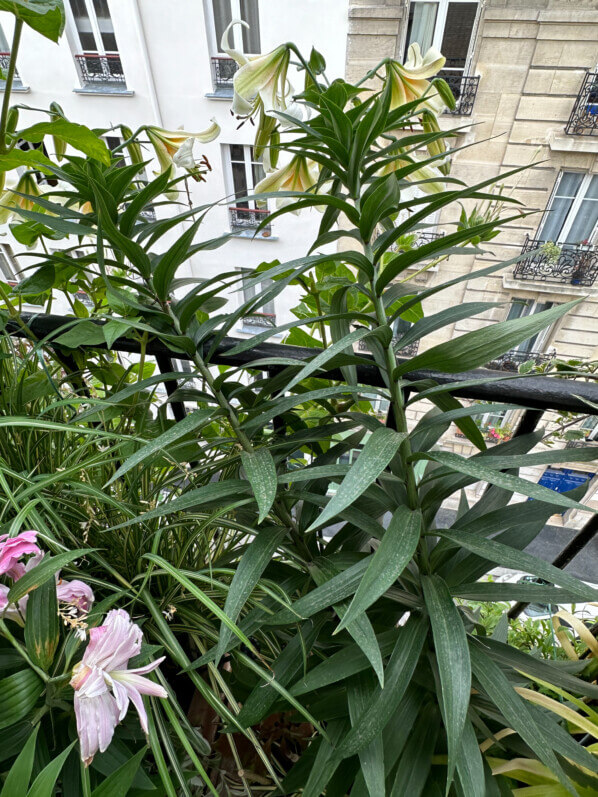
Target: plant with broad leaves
x=335 y=615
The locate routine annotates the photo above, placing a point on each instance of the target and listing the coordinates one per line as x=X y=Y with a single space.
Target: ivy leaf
x=78 y=136
x=44 y=16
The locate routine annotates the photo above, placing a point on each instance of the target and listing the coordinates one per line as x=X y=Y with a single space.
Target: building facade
x=139 y=62
x=524 y=74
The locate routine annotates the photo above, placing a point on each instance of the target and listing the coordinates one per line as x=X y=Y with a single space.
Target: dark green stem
x=12 y=66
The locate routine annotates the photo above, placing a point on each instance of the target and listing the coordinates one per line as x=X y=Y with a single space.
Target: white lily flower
x=300 y=174
x=424 y=172
x=409 y=81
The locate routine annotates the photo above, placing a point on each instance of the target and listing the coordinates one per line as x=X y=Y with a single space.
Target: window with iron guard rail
x=511 y=360
x=248 y=219
x=584 y=116
x=101 y=70
x=223 y=72
x=575 y=264
x=16 y=81
x=464 y=88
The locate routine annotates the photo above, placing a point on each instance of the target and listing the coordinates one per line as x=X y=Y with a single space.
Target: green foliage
x=314 y=619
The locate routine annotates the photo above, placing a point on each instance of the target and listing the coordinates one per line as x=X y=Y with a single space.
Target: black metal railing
x=261 y=320
x=407 y=351
x=422 y=238
x=511 y=360
x=584 y=116
x=580 y=443
x=223 y=72
x=464 y=88
x=572 y=265
x=100 y=70
x=248 y=219
x=537 y=393
x=4 y=63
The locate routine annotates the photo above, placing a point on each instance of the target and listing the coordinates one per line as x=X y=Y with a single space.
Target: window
x=523 y=307
x=572 y=214
x=447 y=25
x=8 y=266
x=263 y=315
x=245 y=174
x=222 y=13
x=4 y=62
x=97 y=57
x=112 y=142
x=590 y=427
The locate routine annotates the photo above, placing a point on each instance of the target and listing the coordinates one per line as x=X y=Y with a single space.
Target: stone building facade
x=532 y=68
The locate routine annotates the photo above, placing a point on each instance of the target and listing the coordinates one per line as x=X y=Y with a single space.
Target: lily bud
x=437 y=147
x=59 y=143
x=132 y=146
x=12 y=120
x=444 y=90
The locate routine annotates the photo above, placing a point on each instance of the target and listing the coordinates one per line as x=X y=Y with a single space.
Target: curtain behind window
x=422 y=21
x=251 y=35
x=222 y=18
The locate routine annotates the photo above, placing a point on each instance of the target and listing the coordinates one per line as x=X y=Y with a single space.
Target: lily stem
x=12 y=67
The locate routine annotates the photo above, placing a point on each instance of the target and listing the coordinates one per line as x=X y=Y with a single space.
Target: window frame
x=95 y=29
x=439 y=27
x=542 y=338
x=573 y=210
x=236 y=34
x=268 y=309
x=7 y=256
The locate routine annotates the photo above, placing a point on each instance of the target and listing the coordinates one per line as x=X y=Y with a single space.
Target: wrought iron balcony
x=513 y=359
x=248 y=219
x=101 y=70
x=422 y=238
x=584 y=116
x=260 y=320
x=407 y=351
x=223 y=72
x=464 y=88
x=574 y=265
x=581 y=443
x=4 y=63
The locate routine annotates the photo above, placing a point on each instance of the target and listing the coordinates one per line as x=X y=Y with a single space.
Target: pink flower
x=12 y=549
x=104 y=686
x=76 y=593
x=8 y=611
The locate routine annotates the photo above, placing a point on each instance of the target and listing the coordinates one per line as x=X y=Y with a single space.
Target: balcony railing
x=407 y=351
x=4 y=63
x=223 y=71
x=248 y=219
x=100 y=70
x=422 y=238
x=260 y=320
x=464 y=88
x=513 y=359
x=584 y=116
x=580 y=443
x=574 y=265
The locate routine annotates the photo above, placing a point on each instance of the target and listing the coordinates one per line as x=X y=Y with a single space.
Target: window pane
x=587 y=216
x=458 y=28
x=105 y=25
x=519 y=308
x=237 y=153
x=531 y=344
x=239 y=181
x=420 y=29
x=257 y=172
x=560 y=206
x=83 y=25
x=401 y=326
x=222 y=18
x=4 y=48
x=251 y=35
x=6 y=263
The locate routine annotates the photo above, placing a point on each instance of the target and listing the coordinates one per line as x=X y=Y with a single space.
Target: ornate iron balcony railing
x=260 y=320
x=4 y=62
x=464 y=88
x=584 y=116
x=407 y=351
x=580 y=443
x=575 y=265
x=223 y=72
x=98 y=70
x=248 y=219
x=511 y=360
x=423 y=238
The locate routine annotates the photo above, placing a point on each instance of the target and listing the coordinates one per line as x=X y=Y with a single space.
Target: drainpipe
x=148 y=65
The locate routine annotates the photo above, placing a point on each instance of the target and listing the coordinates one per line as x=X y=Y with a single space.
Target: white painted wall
x=166 y=59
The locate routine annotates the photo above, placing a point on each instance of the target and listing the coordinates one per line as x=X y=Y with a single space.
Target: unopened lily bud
x=12 y=120
x=59 y=143
x=265 y=128
x=133 y=147
x=437 y=147
x=444 y=90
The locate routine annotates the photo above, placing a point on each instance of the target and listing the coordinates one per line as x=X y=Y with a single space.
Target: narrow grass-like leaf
x=513 y=708
x=248 y=571
x=452 y=655
x=388 y=562
x=18 y=694
x=371 y=758
x=470 y=765
x=120 y=781
x=43 y=785
x=42 y=629
x=261 y=472
x=183 y=427
x=17 y=780
x=46 y=569
x=482 y=345
x=377 y=452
